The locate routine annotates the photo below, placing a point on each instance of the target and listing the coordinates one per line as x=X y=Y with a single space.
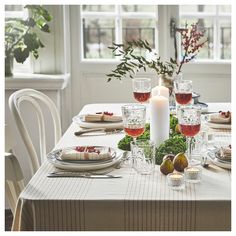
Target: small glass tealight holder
x=176 y=180
x=193 y=174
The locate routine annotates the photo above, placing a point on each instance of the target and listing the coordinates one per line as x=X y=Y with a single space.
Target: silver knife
x=79 y=175
x=105 y=130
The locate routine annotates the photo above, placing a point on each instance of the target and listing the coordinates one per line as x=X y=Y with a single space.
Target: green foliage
x=174 y=145
x=173 y=123
x=131 y=63
x=20 y=35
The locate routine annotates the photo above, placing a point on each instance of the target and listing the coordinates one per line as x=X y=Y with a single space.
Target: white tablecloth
x=133 y=202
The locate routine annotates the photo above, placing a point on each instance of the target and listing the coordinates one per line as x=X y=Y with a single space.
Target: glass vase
x=8 y=65
x=168 y=81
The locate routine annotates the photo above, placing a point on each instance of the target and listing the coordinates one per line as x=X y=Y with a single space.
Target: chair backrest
x=14 y=179
x=34 y=97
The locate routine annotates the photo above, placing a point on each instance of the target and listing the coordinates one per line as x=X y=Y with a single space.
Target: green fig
x=169 y=156
x=180 y=162
x=166 y=167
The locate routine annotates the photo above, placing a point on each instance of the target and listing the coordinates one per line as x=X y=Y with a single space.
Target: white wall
x=89 y=87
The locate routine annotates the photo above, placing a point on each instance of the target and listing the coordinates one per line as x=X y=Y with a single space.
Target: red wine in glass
x=142 y=96
x=134 y=132
x=190 y=130
x=183 y=98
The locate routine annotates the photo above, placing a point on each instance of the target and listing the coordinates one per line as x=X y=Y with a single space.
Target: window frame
x=215 y=17
x=165 y=13
x=118 y=16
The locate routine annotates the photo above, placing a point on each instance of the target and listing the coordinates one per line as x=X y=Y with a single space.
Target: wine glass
x=142 y=89
x=183 y=91
x=189 y=118
x=134 y=119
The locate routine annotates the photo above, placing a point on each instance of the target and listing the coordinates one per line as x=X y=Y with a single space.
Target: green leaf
x=35 y=53
x=31 y=41
x=31 y=22
x=118 y=45
x=21 y=54
x=40 y=43
x=45 y=28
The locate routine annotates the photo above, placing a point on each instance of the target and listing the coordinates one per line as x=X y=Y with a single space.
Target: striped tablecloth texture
x=133 y=202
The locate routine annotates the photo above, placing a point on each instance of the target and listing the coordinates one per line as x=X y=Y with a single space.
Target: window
x=216 y=19
x=18 y=11
x=104 y=24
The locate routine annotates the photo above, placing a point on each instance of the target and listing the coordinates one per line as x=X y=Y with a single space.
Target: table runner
x=134 y=202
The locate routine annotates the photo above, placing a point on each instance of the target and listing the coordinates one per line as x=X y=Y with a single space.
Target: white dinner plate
x=218 y=126
x=212 y=154
x=99 y=124
x=53 y=158
x=86 y=161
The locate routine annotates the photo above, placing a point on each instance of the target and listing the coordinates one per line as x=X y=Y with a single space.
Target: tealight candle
x=192 y=174
x=176 y=181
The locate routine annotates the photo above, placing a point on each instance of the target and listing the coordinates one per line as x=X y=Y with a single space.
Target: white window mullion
x=156 y=30
x=217 y=35
x=118 y=24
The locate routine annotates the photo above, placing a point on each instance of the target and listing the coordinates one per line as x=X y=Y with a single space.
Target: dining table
x=133 y=202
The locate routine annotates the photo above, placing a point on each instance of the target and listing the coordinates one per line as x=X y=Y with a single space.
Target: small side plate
x=212 y=154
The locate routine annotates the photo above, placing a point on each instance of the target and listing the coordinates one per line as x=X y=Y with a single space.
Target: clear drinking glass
x=189 y=118
x=142 y=89
x=183 y=91
x=143 y=153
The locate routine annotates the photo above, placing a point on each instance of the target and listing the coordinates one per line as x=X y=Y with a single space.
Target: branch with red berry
x=192 y=40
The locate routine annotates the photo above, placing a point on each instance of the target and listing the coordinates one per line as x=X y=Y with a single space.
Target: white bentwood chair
x=35 y=97
x=14 y=178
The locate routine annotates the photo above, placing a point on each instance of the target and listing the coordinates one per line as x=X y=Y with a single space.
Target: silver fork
x=204 y=161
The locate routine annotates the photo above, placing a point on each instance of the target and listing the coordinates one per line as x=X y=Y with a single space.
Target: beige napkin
x=220 y=119
x=74 y=155
x=101 y=118
x=225 y=153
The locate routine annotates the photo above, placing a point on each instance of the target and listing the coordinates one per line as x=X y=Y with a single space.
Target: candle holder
x=193 y=174
x=176 y=181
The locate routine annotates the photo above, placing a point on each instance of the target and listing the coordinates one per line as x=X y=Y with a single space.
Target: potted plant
x=21 y=37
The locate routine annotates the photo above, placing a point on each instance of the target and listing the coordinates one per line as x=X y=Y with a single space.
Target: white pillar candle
x=160 y=90
x=159 y=119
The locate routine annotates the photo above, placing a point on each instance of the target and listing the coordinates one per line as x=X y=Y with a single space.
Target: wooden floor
x=8 y=220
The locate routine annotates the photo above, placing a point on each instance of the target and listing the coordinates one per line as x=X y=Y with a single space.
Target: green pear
x=166 y=166
x=180 y=162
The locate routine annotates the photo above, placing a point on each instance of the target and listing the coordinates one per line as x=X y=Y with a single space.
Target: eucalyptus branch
x=131 y=63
